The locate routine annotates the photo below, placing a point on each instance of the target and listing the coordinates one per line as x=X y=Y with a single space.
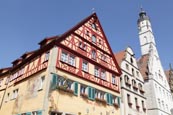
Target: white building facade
x=133 y=101
x=157 y=91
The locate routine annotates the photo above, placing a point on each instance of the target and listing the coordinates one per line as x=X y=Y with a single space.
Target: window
x=83 y=89
x=41 y=82
x=35 y=113
x=103 y=57
x=103 y=74
x=64 y=57
x=47 y=56
x=140 y=86
x=127 y=66
x=94 y=26
x=15 y=94
x=82 y=46
x=99 y=94
x=68 y=58
x=133 y=72
x=131 y=60
x=93 y=54
x=91 y=93
x=143 y=106
x=96 y=71
x=85 y=66
x=113 y=79
x=87 y=33
x=129 y=100
x=93 y=38
x=109 y=98
x=72 y=60
x=136 y=102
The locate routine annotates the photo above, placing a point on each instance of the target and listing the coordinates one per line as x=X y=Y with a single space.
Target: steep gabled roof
x=66 y=34
x=143 y=66
x=55 y=40
x=120 y=56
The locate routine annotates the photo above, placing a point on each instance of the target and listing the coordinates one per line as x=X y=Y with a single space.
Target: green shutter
x=89 y=92
x=54 y=81
x=28 y=113
x=93 y=94
x=119 y=101
x=39 y=112
x=110 y=99
x=107 y=97
x=76 y=88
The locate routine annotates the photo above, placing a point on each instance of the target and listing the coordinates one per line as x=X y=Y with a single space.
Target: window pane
x=72 y=60
x=96 y=72
x=64 y=57
x=85 y=66
x=94 y=38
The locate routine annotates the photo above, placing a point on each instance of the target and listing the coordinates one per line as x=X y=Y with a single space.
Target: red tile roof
x=143 y=66
x=120 y=56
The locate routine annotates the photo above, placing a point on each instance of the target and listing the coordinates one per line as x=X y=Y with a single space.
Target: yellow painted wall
x=69 y=103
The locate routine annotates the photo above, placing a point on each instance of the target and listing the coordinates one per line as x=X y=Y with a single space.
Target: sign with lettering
x=31 y=68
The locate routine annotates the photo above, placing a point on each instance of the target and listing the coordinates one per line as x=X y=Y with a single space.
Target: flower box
x=84 y=95
x=116 y=105
x=100 y=100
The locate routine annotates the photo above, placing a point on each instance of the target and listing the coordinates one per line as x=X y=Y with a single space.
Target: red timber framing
x=87 y=41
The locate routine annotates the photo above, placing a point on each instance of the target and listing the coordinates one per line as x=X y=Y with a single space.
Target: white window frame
x=71 y=60
x=113 y=79
x=85 y=66
x=103 y=74
x=64 y=57
x=41 y=82
x=96 y=71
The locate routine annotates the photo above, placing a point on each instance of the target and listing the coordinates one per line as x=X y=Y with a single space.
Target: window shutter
x=39 y=112
x=75 y=88
x=93 y=94
x=89 y=92
x=28 y=113
x=110 y=99
x=54 y=81
x=107 y=97
x=119 y=101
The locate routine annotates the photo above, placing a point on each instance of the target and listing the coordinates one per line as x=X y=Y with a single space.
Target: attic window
x=93 y=38
x=82 y=46
x=94 y=26
x=87 y=33
x=93 y=54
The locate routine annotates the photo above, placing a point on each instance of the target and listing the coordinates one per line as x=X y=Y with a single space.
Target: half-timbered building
x=75 y=73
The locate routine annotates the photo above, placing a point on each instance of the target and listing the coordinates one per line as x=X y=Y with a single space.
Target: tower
x=159 y=99
x=146 y=36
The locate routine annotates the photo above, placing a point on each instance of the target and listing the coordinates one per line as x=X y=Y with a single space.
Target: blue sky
x=24 y=23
